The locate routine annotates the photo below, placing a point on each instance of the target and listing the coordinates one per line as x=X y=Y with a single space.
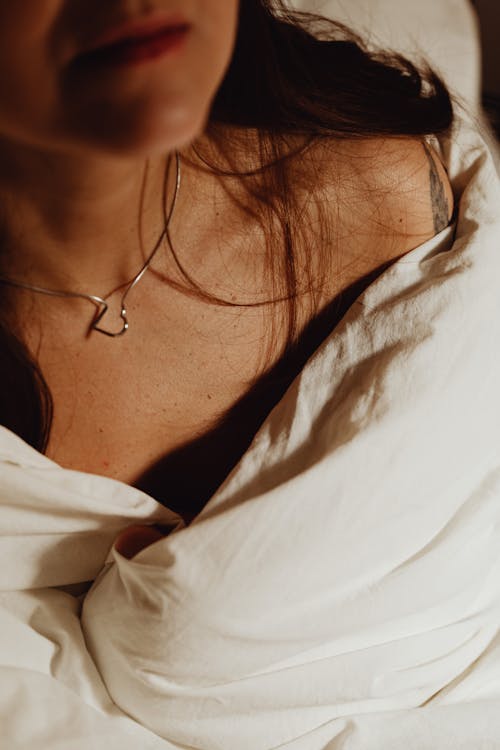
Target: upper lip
x=136 y=28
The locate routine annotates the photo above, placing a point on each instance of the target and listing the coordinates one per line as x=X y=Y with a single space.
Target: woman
x=287 y=173
x=83 y=137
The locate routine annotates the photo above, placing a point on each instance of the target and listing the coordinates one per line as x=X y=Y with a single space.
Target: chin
x=146 y=136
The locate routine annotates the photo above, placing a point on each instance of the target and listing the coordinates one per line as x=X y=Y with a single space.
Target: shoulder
x=389 y=194
x=415 y=194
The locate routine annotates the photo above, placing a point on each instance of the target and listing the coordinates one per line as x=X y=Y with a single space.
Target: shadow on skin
x=136 y=538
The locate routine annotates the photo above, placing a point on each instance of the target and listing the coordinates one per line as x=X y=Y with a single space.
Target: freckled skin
x=78 y=220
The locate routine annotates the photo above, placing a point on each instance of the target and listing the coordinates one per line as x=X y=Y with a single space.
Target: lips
x=136 y=30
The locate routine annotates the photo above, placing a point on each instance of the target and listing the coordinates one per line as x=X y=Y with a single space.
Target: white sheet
x=341 y=589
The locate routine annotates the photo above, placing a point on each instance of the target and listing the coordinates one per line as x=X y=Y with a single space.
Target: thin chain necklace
x=99 y=302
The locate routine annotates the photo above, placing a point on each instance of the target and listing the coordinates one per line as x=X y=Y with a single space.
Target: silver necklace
x=99 y=302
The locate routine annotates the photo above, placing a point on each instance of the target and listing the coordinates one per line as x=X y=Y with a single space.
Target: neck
x=79 y=224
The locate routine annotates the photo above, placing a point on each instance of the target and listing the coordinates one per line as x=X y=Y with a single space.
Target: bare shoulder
x=390 y=194
x=416 y=198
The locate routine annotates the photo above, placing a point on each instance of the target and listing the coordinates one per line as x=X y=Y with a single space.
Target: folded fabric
x=56 y=528
x=342 y=587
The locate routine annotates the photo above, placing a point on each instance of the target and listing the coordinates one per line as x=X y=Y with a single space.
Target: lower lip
x=139 y=51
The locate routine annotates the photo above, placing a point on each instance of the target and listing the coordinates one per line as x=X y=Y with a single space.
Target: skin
x=74 y=148
x=136 y=538
x=82 y=158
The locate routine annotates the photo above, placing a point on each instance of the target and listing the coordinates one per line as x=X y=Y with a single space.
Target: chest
x=152 y=408
x=173 y=408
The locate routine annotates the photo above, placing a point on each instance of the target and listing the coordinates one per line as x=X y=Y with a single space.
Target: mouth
x=136 y=42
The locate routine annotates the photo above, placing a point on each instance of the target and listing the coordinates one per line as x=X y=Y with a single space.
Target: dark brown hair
x=292 y=74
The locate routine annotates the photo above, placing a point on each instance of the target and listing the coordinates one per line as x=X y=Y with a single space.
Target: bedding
x=340 y=590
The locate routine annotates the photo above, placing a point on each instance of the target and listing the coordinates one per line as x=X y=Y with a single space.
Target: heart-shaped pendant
x=102 y=313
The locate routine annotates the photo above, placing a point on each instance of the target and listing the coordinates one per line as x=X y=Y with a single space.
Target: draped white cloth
x=341 y=589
